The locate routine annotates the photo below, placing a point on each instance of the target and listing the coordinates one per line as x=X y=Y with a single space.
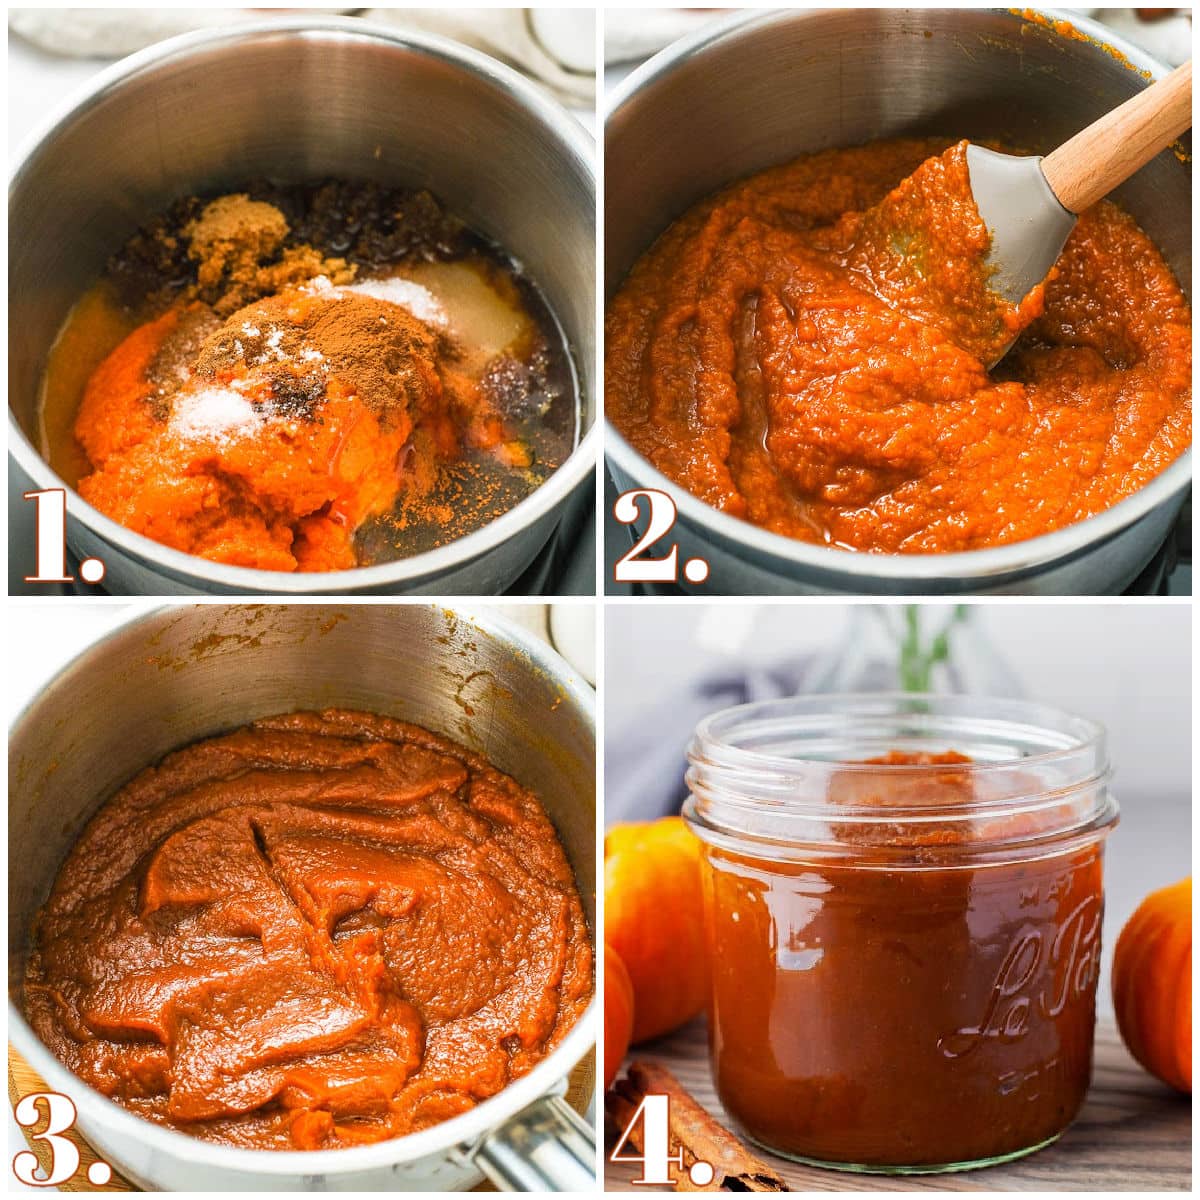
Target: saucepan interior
x=296 y=100
x=754 y=91
x=169 y=677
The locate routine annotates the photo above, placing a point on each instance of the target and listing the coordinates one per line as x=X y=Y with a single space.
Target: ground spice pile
x=298 y=340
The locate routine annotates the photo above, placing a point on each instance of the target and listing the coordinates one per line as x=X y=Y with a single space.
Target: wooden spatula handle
x=1105 y=154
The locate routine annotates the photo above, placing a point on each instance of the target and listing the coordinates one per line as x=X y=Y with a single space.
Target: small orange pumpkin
x=1152 y=984
x=653 y=916
x=618 y=1014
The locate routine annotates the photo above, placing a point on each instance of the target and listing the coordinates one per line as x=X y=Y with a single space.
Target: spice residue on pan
x=309 y=378
x=1056 y=26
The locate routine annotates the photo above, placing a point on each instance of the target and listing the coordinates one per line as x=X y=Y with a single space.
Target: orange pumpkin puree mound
x=319 y=930
x=769 y=354
x=265 y=440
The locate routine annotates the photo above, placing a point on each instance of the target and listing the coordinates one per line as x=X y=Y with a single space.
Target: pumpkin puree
x=771 y=354
x=269 y=399
x=320 y=930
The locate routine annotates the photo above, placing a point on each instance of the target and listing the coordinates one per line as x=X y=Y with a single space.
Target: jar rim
x=1034 y=778
x=1091 y=734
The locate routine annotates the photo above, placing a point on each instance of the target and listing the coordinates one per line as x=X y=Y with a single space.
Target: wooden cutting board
x=1134 y=1134
x=23 y=1079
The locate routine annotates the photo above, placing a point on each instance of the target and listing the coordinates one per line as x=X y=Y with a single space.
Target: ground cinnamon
x=388 y=358
x=695 y=1132
x=172 y=364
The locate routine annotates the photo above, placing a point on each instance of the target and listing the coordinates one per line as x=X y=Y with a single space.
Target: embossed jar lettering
x=1021 y=988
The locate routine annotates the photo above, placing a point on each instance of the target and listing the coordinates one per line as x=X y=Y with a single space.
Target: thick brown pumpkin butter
x=924 y=1001
x=316 y=931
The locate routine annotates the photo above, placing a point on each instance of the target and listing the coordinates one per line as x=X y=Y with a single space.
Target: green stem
x=916 y=665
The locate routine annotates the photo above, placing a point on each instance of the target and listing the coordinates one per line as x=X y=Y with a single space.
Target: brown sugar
x=234 y=233
x=236 y=243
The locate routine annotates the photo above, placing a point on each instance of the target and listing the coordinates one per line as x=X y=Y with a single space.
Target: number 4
x=656 y=1158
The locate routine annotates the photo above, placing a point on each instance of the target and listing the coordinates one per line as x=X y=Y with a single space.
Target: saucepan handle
x=547 y=1147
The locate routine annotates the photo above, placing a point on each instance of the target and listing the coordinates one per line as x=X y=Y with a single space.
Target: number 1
x=52 y=542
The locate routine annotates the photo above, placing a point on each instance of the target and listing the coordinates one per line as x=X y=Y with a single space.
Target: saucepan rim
x=1014 y=559
x=460 y=1131
x=573 y=142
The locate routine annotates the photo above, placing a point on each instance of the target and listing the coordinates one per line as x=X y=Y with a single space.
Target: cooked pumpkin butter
x=319 y=930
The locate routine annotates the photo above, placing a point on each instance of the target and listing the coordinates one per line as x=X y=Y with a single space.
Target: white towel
x=555 y=47
x=115 y=32
x=631 y=34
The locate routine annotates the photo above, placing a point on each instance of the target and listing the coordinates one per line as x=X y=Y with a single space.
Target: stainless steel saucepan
x=295 y=99
x=176 y=674
x=759 y=89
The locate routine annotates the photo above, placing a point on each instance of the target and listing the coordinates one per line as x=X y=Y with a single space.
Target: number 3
x=64 y=1157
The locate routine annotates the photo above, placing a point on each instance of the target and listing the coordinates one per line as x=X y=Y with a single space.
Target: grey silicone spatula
x=1029 y=205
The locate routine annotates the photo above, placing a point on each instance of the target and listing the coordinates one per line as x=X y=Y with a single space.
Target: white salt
x=418 y=300
x=319 y=285
x=213 y=412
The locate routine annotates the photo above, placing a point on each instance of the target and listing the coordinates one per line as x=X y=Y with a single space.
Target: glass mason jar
x=903 y=898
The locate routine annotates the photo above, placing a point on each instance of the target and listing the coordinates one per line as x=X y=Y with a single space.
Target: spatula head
x=1029 y=227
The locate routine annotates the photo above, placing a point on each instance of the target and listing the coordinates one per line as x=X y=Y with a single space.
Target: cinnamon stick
x=694 y=1130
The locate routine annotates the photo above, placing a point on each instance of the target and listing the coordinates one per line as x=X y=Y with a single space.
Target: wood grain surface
x=23 y=1080
x=1134 y=1134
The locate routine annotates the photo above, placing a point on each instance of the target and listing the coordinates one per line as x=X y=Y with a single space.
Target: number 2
x=629 y=568
x=632 y=567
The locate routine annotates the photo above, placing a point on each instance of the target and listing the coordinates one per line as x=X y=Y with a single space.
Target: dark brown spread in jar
x=921 y=1000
